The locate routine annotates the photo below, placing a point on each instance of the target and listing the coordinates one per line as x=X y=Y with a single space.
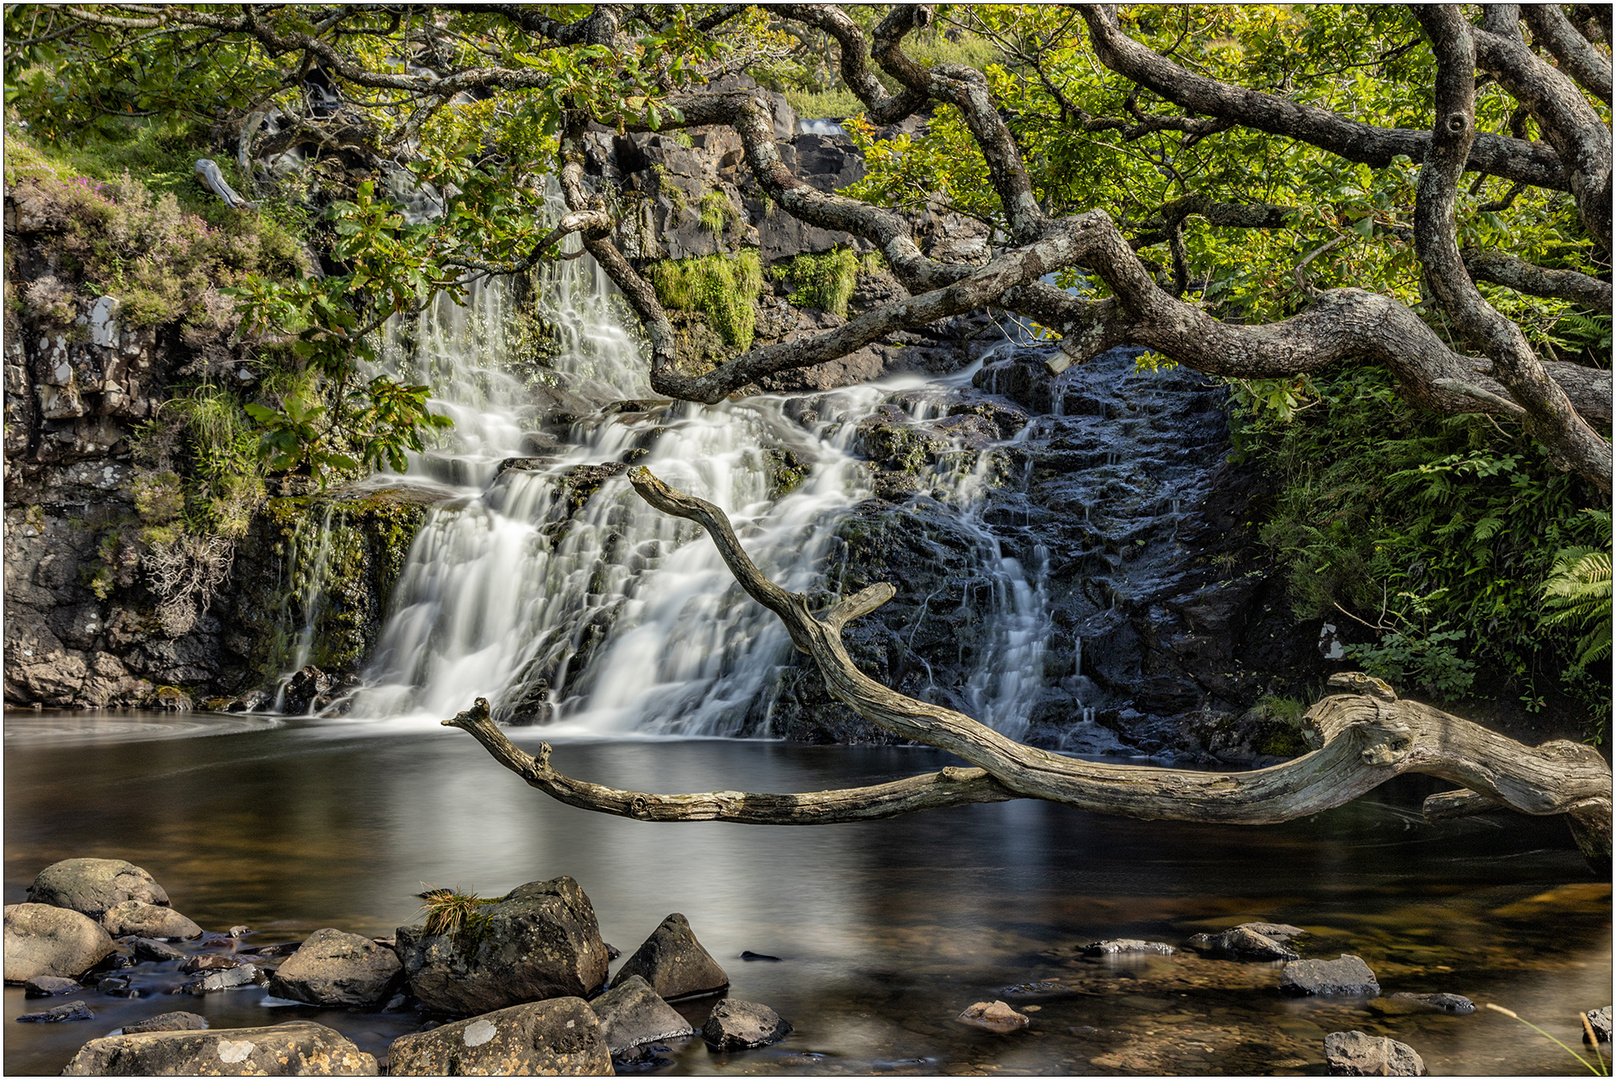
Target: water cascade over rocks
x=1029 y=525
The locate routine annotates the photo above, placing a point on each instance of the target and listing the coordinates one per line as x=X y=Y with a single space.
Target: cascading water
x=546 y=585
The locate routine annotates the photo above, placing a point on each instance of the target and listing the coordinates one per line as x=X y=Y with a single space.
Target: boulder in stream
x=1348 y=975
x=1448 y=1003
x=994 y=1016
x=92 y=886
x=49 y=986
x=1242 y=943
x=631 y=1013
x=45 y=940
x=1599 y=1020
x=298 y=1048
x=169 y=1021
x=56 y=1014
x=1127 y=946
x=154 y=950
x=674 y=963
x=558 y=1037
x=149 y=921
x=1352 y=1053
x=541 y=941
x=743 y=1025
x=337 y=968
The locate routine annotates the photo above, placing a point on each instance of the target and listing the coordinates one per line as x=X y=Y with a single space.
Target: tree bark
x=1365 y=738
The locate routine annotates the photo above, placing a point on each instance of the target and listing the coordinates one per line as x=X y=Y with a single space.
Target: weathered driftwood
x=1364 y=738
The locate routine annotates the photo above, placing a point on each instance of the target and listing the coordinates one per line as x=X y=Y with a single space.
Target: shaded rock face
x=673 y=963
x=1352 y=1053
x=337 y=968
x=94 y=886
x=742 y=1025
x=559 y=1037
x=631 y=1014
x=541 y=941
x=45 y=940
x=298 y=1048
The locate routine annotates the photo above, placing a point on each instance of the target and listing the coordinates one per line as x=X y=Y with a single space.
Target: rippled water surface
x=885 y=930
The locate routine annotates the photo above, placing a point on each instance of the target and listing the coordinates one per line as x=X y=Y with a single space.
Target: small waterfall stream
x=546 y=585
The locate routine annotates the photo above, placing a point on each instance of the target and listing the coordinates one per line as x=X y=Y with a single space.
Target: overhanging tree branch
x=1366 y=737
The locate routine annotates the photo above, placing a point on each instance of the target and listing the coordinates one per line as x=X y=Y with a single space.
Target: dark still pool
x=884 y=931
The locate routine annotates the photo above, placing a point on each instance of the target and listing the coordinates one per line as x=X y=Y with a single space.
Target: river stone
x=631 y=1013
x=75 y=1010
x=91 y=886
x=558 y=1037
x=1114 y=946
x=337 y=968
x=742 y=1025
x=148 y=921
x=1348 y=975
x=226 y=979
x=298 y=1048
x=1280 y=932
x=169 y=1021
x=674 y=963
x=1449 y=1003
x=209 y=962
x=1600 y=1020
x=1242 y=943
x=49 y=986
x=994 y=1016
x=1352 y=1053
x=45 y=940
x=541 y=941
x=154 y=950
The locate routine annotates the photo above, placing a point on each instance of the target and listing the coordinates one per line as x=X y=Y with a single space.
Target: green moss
x=724 y=288
x=718 y=213
x=822 y=281
x=786 y=470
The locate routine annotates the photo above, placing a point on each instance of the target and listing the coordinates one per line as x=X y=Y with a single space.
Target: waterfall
x=544 y=583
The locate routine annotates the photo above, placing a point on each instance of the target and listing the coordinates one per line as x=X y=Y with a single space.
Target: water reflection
x=886 y=929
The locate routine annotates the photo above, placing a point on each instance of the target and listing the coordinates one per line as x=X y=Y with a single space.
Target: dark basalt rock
x=674 y=963
x=58 y=1014
x=541 y=941
x=49 y=986
x=1347 y=976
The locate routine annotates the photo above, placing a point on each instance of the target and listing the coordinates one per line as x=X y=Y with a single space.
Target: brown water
x=886 y=930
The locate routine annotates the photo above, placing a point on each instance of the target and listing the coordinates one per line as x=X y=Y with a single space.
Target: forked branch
x=1365 y=738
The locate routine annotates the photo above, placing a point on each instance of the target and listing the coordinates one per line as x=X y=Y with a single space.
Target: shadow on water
x=886 y=930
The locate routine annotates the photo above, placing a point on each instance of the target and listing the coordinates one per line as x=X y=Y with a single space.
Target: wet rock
x=1599 y=1020
x=337 y=968
x=1352 y=1053
x=173 y=699
x=631 y=1013
x=156 y=951
x=1041 y=988
x=169 y=1021
x=1348 y=975
x=92 y=886
x=1117 y=946
x=674 y=963
x=228 y=979
x=209 y=962
x=45 y=940
x=742 y=1025
x=49 y=986
x=1449 y=1003
x=558 y=1037
x=541 y=941
x=994 y=1016
x=117 y=986
x=303 y=688
x=57 y=1014
x=298 y=1048
x=748 y=954
x=1242 y=943
x=149 y=921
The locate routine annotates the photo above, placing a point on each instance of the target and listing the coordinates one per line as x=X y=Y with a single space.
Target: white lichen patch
x=478 y=1032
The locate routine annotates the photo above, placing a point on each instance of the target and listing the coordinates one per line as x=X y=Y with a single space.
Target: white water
x=505 y=585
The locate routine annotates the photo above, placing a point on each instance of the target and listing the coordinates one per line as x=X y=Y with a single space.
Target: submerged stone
x=1348 y=975
x=994 y=1016
x=743 y=1025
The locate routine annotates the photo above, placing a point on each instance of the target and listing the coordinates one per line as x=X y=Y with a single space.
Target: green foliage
x=722 y=287
x=1439 y=533
x=822 y=281
x=450 y=911
x=718 y=213
x=1577 y=595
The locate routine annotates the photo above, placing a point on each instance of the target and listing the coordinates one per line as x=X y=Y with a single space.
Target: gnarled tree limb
x=1367 y=737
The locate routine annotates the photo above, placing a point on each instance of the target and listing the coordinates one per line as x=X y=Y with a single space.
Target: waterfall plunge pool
x=886 y=930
